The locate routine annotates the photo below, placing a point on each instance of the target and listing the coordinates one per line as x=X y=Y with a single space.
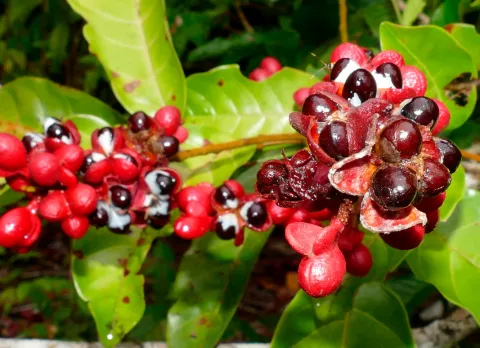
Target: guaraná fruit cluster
x=374 y=157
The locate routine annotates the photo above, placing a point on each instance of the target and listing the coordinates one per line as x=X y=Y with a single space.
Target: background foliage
x=127 y=61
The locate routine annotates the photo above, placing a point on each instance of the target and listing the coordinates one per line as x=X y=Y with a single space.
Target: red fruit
x=300 y=95
x=44 y=168
x=278 y=214
x=15 y=225
x=406 y=239
x=125 y=165
x=301 y=236
x=388 y=56
x=301 y=215
x=322 y=215
x=443 y=117
x=95 y=168
x=13 y=155
x=271 y=64
x=71 y=157
x=327 y=237
x=169 y=118
x=75 y=227
x=432 y=219
x=321 y=275
x=349 y=238
x=428 y=204
x=320 y=87
x=351 y=51
x=54 y=207
x=189 y=227
x=32 y=236
x=415 y=79
x=82 y=199
x=20 y=183
x=67 y=178
x=194 y=194
x=195 y=209
x=259 y=74
x=235 y=187
x=181 y=134
x=359 y=261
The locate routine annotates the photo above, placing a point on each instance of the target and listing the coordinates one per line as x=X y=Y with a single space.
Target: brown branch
x=343 y=28
x=470 y=155
x=260 y=141
x=238 y=8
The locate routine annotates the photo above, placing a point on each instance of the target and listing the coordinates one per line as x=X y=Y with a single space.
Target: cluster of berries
x=122 y=180
x=225 y=210
x=268 y=67
x=371 y=137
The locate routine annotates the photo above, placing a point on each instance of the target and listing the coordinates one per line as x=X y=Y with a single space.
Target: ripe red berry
x=54 y=207
x=194 y=194
x=95 y=168
x=436 y=178
x=406 y=239
x=15 y=225
x=181 y=134
x=270 y=64
x=13 y=155
x=82 y=199
x=44 y=168
x=169 y=118
x=349 y=238
x=75 y=227
x=125 y=165
x=443 y=117
x=189 y=227
x=394 y=187
x=235 y=187
x=401 y=139
x=278 y=214
x=450 y=154
x=351 y=51
x=19 y=183
x=428 y=204
x=301 y=215
x=67 y=178
x=415 y=79
x=388 y=56
x=259 y=74
x=321 y=275
x=319 y=106
x=71 y=157
x=359 y=261
x=432 y=220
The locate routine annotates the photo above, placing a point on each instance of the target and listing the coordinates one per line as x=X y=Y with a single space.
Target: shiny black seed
x=333 y=140
x=223 y=194
x=120 y=196
x=392 y=71
x=319 y=106
x=29 y=142
x=166 y=183
x=169 y=144
x=257 y=214
x=227 y=233
x=99 y=218
x=87 y=162
x=451 y=155
x=58 y=131
x=139 y=121
x=422 y=110
x=360 y=84
x=338 y=67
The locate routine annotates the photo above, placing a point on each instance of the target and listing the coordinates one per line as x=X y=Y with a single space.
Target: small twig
x=248 y=27
x=470 y=155
x=343 y=28
x=261 y=141
x=446 y=332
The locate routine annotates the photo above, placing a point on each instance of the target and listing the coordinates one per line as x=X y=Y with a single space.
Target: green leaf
x=132 y=41
x=210 y=283
x=26 y=102
x=455 y=194
x=467 y=36
x=449 y=259
x=105 y=269
x=439 y=56
x=297 y=321
x=411 y=291
x=412 y=10
x=376 y=13
x=223 y=105
x=375 y=309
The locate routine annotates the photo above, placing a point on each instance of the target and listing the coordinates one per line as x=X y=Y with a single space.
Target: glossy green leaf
x=455 y=194
x=469 y=38
x=211 y=279
x=297 y=321
x=449 y=259
x=376 y=309
x=223 y=105
x=439 y=56
x=26 y=102
x=105 y=269
x=132 y=41
x=412 y=9
x=411 y=291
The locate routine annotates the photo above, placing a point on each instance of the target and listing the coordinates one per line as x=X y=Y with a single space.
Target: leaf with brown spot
x=130 y=87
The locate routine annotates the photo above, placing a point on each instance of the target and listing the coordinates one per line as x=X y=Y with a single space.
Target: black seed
x=223 y=194
x=422 y=110
x=226 y=234
x=58 y=131
x=120 y=196
x=338 y=67
x=392 y=71
x=170 y=145
x=99 y=218
x=166 y=183
x=139 y=121
x=360 y=83
x=257 y=214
